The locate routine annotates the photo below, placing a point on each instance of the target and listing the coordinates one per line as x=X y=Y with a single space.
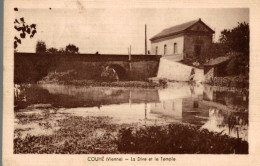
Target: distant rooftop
x=222 y=59
x=178 y=29
x=217 y=61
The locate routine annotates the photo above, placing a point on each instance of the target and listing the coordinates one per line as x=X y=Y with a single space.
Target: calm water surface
x=208 y=107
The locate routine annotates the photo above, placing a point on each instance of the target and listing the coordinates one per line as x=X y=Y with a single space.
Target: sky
x=113 y=30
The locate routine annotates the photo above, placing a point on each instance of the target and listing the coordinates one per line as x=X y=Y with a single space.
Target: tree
x=23 y=29
x=71 y=49
x=40 y=47
x=236 y=42
x=61 y=50
x=236 y=39
x=215 y=50
x=52 y=50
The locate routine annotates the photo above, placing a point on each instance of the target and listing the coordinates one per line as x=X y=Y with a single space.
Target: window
x=156 y=50
x=175 y=48
x=165 y=49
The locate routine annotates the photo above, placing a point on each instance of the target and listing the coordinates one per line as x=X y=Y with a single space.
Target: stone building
x=188 y=41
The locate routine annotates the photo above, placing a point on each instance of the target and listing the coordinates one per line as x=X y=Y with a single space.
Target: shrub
x=109 y=74
x=177 y=139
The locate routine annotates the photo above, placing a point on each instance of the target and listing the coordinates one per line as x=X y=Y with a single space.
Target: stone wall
x=171 y=70
x=31 y=67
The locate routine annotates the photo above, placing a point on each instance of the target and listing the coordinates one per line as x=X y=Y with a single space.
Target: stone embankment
x=172 y=70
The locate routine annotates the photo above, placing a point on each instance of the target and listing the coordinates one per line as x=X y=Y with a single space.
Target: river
x=213 y=108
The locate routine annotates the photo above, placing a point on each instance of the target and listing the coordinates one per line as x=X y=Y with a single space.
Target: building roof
x=222 y=59
x=178 y=29
x=217 y=61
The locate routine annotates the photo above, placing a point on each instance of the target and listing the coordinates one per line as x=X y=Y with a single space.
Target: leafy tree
x=40 y=47
x=61 y=50
x=23 y=29
x=236 y=39
x=236 y=42
x=52 y=50
x=215 y=50
x=71 y=49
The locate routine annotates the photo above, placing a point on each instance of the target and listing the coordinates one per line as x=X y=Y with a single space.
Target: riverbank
x=69 y=78
x=92 y=83
x=53 y=131
x=238 y=82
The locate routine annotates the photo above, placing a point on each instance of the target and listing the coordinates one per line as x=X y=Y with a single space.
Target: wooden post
x=129 y=54
x=145 y=42
x=130 y=65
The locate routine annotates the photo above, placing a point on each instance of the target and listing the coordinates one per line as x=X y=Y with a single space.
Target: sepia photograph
x=124 y=83
x=147 y=81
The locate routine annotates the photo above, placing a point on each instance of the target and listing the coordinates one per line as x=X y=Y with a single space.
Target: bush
x=177 y=139
x=109 y=74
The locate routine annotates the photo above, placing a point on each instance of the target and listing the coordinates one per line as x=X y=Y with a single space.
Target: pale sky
x=113 y=30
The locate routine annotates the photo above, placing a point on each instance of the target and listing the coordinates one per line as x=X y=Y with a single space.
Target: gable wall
x=199 y=27
x=190 y=40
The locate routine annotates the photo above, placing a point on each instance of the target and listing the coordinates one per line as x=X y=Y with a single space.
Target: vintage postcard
x=131 y=83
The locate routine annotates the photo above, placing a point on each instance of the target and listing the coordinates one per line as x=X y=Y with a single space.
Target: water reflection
x=181 y=102
x=231 y=124
x=222 y=96
x=169 y=108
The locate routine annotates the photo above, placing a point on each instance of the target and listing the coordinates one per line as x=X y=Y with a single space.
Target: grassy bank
x=99 y=135
x=134 y=84
x=75 y=135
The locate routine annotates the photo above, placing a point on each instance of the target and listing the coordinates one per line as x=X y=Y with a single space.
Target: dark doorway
x=197 y=50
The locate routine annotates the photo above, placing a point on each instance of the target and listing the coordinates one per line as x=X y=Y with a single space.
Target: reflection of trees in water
x=38 y=95
x=72 y=96
x=27 y=94
x=18 y=93
x=217 y=116
x=232 y=122
x=236 y=120
x=232 y=118
x=228 y=98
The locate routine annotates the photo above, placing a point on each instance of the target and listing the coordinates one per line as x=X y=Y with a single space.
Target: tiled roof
x=177 y=29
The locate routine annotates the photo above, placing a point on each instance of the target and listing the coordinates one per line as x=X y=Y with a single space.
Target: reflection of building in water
x=172 y=108
x=180 y=102
x=194 y=111
x=182 y=109
x=180 y=90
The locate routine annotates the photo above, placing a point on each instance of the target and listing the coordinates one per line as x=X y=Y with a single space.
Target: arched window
x=175 y=48
x=165 y=49
x=156 y=50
